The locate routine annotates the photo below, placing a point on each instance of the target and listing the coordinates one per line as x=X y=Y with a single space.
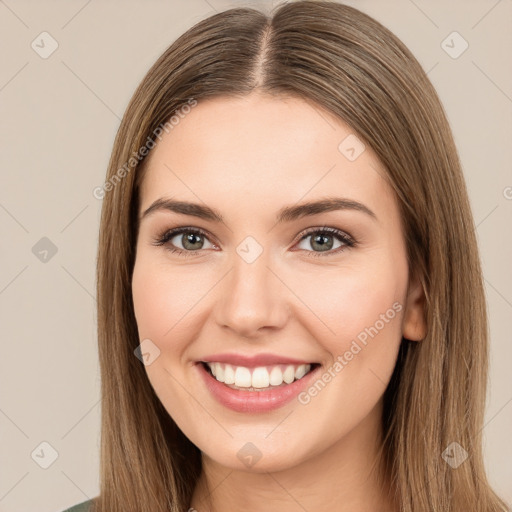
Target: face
x=263 y=288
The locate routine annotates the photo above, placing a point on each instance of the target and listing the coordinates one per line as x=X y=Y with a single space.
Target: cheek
x=364 y=309
x=164 y=298
x=343 y=301
x=148 y=301
x=365 y=303
x=357 y=320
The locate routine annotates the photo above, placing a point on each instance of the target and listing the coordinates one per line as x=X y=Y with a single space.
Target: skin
x=281 y=151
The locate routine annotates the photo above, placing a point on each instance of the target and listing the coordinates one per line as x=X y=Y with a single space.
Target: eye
x=189 y=240
x=323 y=240
x=183 y=240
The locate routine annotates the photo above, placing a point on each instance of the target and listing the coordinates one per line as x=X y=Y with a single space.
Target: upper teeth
x=259 y=377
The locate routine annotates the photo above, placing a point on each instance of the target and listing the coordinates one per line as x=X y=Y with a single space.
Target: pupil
x=323 y=240
x=190 y=239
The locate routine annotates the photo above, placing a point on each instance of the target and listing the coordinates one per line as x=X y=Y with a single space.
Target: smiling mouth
x=260 y=378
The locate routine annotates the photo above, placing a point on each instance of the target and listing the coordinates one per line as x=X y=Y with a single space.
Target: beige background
x=58 y=118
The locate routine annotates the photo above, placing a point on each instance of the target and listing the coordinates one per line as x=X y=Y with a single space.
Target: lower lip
x=254 y=401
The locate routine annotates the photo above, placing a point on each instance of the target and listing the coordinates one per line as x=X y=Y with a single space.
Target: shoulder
x=85 y=506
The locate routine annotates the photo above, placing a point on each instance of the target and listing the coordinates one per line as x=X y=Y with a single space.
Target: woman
x=291 y=313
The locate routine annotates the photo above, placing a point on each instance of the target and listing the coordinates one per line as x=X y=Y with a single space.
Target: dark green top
x=85 y=506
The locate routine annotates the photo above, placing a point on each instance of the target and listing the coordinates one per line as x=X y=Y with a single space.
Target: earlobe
x=414 y=325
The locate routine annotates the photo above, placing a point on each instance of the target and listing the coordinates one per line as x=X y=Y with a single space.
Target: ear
x=414 y=325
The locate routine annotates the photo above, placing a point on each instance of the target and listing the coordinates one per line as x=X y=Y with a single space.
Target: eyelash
x=347 y=240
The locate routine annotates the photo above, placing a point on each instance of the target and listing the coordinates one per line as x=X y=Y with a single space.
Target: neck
x=348 y=476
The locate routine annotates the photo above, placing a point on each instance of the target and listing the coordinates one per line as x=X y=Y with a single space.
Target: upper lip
x=254 y=360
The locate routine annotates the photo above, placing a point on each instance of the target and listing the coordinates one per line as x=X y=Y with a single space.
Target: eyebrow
x=286 y=214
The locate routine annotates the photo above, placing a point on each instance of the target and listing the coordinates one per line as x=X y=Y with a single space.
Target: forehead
x=273 y=150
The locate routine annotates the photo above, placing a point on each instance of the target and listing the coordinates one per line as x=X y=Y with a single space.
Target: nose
x=253 y=300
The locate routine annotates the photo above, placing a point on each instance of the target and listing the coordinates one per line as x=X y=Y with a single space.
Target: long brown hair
x=351 y=65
